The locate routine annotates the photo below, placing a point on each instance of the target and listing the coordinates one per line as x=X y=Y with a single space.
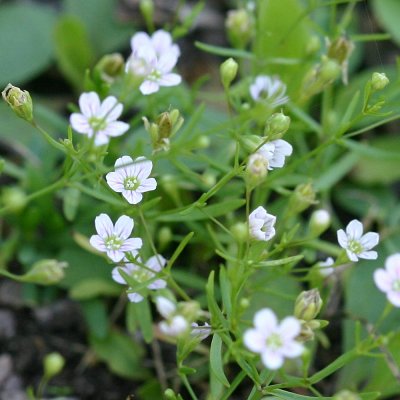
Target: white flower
x=388 y=280
x=200 y=332
x=270 y=89
x=141 y=274
x=98 y=119
x=131 y=178
x=356 y=244
x=174 y=324
x=325 y=267
x=160 y=41
x=113 y=240
x=275 y=152
x=273 y=341
x=261 y=224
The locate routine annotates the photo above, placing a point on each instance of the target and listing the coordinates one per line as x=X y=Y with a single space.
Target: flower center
x=155 y=75
x=113 y=242
x=131 y=183
x=97 y=124
x=396 y=285
x=274 y=341
x=355 y=246
x=141 y=275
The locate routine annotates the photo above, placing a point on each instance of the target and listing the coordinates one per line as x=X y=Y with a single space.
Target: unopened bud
x=164 y=237
x=251 y=142
x=203 y=142
x=340 y=49
x=308 y=305
x=329 y=71
x=228 y=70
x=239 y=25
x=256 y=169
x=240 y=232
x=45 y=272
x=313 y=45
x=277 y=125
x=14 y=198
x=346 y=395
x=244 y=303
x=20 y=101
x=170 y=394
x=379 y=81
x=302 y=198
x=319 y=222
x=109 y=67
x=53 y=364
x=209 y=179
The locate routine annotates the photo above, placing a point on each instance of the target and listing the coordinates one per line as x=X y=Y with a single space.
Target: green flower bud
x=164 y=237
x=45 y=272
x=202 y=142
x=209 y=179
x=346 y=395
x=53 y=364
x=313 y=45
x=244 y=303
x=319 y=222
x=302 y=198
x=240 y=232
x=20 y=101
x=170 y=394
x=189 y=309
x=251 y=142
x=14 y=198
x=147 y=9
x=109 y=67
x=379 y=81
x=277 y=125
x=340 y=49
x=228 y=71
x=308 y=305
x=256 y=169
x=240 y=27
x=329 y=71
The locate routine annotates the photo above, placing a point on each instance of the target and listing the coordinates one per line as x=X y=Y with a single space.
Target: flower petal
x=157 y=284
x=271 y=359
x=98 y=243
x=254 y=340
x=382 y=280
x=89 y=103
x=369 y=240
x=135 y=297
x=149 y=87
x=132 y=196
x=156 y=263
x=342 y=238
x=170 y=80
x=116 y=128
x=79 y=123
x=131 y=244
x=115 y=255
x=368 y=255
x=104 y=225
x=292 y=349
x=352 y=256
x=123 y=227
x=148 y=185
x=289 y=328
x=354 y=229
x=110 y=109
x=265 y=320
x=394 y=298
x=165 y=306
x=115 y=182
x=117 y=277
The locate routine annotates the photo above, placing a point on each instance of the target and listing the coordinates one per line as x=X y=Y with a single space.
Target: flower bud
x=53 y=364
x=147 y=9
x=340 y=49
x=189 y=309
x=240 y=232
x=170 y=394
x=14 y=198
x=209 y=179
x=277 y=125
x=202 y=142
x=244 y=303
x=228 y=70
x=251 y=142
x=346 y=395
x=319 y=222
x=329 y=71
x=45 y=272
x=313 y=45
x=302 y=198
x=164 y=237
x=20 y=101
x=239 y=25
x=109 y=67
x=308 y=305
x=256 y=169
x=379 y=81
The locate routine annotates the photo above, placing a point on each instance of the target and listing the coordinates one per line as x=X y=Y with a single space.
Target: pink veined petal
x=140 y=39
x=115 y=255
x=115 y=182
x=116 y=128
x=289 y=328
x=123 y=227
x=292 y=349
x=156 y=263
x=98 y=243
x=383 y=280
x=135 y=297
x=104 y=225
x=271 y=359
x=369 y=240
x=101 y=138
x=147 y=185
x=110 y=109
x=354 y=229
x=158 y=284
x=131 y=244
x=123 y=163
x=117 y=277
x=143 y=168
x=132 y=196
x=394 y=298
x=353 y=257
x=79 y=123
x=342 y=238
x=89 y=103
x=149 y=87
x=368 y=255
x=170 y=80
x=265 y=320
x=254 y=340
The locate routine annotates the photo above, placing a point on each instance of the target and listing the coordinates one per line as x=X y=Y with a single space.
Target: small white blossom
x=355 y=243
x=270 y=89
x=174 y=324
x=141 y=274
x=131 y=178
x=388 y=280
x=98 y=119
x=261 y=224
x=200 y=332
x=113 y=240
x=275 y=152
x=160 y=41
x=325 y=267
x=273 y=341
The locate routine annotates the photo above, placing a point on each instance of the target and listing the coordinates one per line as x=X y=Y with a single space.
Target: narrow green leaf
x=224 y=51
x=225 y=290
x=144 y=318
x=283 y=261
x=179 y=250
x=216 y=360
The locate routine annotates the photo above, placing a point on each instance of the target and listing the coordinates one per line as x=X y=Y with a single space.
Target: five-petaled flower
x=98 y=119
x=273 y=341
x=275 y=152
x=388 y=280
x=114 y=240
x=269 y=89
x=131 y=178
x=261 y=224
x=153 y=59
x=356 y=244
x=142 y=274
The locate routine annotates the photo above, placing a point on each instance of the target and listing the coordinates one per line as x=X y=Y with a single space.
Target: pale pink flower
x=131 y=178
x=356 y=244
x=269 y=89
x=174 y=323
x=388 y=280
x=98 y=119
x=273 y=341
x=114 y=240
x=160 y=41
x=261 y=224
